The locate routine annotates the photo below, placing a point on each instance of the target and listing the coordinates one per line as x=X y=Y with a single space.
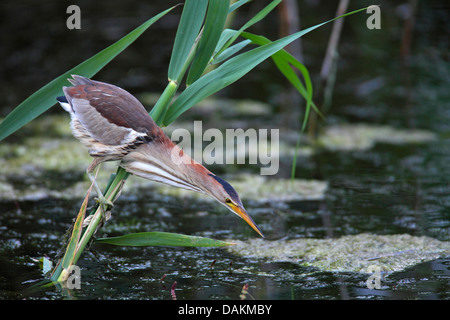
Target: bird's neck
x=165 y=162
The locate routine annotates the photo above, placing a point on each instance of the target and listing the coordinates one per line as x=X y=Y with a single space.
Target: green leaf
x=44 y=98
x=228 y=52
x=190 y=23
x=285 y=62
x=224 y=37
x=162 y=239
x=237 y=4
x=258 y=17
x=230 y=71
x=214 y=24
x=227 y=73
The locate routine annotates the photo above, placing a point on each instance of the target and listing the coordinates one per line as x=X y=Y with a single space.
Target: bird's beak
x=244 y=215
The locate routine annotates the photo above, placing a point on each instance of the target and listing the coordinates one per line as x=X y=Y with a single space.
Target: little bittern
x=114 y=125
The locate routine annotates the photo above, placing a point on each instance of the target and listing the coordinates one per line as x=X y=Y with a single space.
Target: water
x=387 y=189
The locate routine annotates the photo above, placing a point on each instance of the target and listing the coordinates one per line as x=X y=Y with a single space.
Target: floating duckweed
x=353 y=253
x=50 y=148
x=265 y=190
x=364 y=136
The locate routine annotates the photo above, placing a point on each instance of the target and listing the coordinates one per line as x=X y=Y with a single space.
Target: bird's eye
x=228 y=200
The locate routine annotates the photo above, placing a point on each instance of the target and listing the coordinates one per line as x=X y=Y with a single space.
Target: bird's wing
x=110 y=114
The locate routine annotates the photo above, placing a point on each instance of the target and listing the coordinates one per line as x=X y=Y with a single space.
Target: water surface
x=387 y=188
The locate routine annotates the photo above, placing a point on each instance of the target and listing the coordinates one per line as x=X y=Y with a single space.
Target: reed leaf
x=286 y=63
x=183 y=52
x=237 y=4
x=213 y=27
x=162 y=239
x=231 y=71
x=188 y=29
x=228 y=52
x=258 y=17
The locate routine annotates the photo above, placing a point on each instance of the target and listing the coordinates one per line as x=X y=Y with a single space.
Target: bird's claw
x=105 y=217
x=105 y=203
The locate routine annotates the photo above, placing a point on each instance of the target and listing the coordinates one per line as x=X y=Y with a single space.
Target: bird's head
x=224 y=193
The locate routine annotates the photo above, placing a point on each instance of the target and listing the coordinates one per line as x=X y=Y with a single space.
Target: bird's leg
x=104 y=203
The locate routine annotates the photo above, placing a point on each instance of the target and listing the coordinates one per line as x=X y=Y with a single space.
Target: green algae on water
x=347 y=137
x=352 y=253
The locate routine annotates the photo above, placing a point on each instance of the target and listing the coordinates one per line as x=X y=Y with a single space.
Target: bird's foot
x=105 y=217
x=105 y=204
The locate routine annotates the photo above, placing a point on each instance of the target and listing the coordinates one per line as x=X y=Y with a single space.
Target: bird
x=114 y=126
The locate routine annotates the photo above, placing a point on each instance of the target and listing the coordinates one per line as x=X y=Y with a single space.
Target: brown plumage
x=114 y=125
